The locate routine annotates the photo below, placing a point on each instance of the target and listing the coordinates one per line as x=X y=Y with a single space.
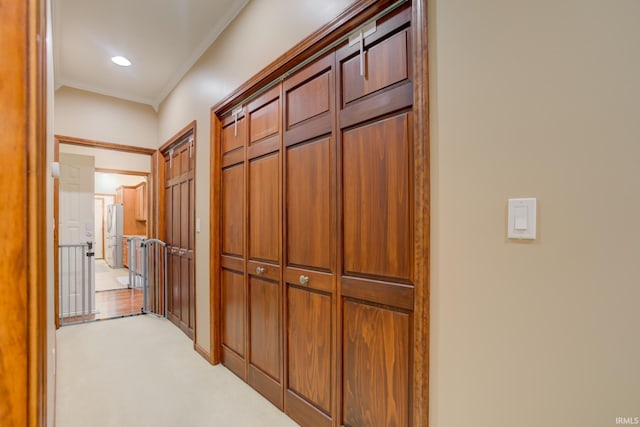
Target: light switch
x=522 y=219
x=197 y=225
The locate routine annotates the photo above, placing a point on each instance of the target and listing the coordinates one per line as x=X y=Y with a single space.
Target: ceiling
x=162 y=39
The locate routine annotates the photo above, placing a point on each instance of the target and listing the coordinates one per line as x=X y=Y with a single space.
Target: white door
x=99 y=230
x=76 y=226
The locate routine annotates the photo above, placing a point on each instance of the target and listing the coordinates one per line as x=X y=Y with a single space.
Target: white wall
x=102 y=118
x=106 y=183
x=264 y=30
x=538 y=99
x=110 y=159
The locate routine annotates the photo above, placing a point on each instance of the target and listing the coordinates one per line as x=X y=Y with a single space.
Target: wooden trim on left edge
x=23 y=268
x=214 y=243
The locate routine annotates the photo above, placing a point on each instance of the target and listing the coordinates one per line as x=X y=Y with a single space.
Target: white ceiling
x=162 y=39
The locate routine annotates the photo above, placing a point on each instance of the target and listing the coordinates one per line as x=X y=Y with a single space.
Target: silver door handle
x=260 y=270
x=304 y=279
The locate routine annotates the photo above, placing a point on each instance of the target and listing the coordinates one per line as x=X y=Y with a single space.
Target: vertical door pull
x=358 y=37
x=236 y=113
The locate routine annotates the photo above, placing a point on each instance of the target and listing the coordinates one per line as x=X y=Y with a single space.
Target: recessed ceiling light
x=121 y=60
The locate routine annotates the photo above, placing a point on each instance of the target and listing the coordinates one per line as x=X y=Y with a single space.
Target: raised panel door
x=309 y=326
x=233 y=135
x=177 y=275
x=385 y=59
x=141 y=206
x=386 y=64
x=309 y=99
x=189 y=254
x=185 y=237
x=179 y=215
x=185 y=158
x=264 y=211
x=265 y=326
x=264 y=121
x=169 y=240
x=233 y=311
x=375 y=366
x=232 y=210
x=308 y=204
x=376 y=198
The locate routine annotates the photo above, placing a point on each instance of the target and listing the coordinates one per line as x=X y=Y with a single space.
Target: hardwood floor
x=110 y=304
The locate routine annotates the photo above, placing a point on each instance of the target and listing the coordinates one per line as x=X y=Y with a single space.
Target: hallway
x=142 y=371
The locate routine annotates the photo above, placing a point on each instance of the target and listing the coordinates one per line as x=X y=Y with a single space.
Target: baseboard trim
x=202 y=352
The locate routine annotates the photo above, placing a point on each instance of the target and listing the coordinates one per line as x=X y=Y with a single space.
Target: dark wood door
x=377 y=254
x=179 y=233
x=263 y=245
x=233 y=283
x=320 y=261
x=309 y=249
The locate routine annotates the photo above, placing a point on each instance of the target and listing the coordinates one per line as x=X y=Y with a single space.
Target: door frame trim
x=59 y=139
x=23 y=265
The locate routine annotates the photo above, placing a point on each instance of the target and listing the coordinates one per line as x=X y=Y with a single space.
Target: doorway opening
x=100 y=212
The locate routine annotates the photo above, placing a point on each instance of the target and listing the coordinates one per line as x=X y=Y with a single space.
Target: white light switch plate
x=197 y=225
x=522 y=219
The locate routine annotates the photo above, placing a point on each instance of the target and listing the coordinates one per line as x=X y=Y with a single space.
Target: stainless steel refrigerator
x=113 y=236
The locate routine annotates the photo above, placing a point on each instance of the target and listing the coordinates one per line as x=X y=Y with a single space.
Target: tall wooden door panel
x=377 y=244
x=234 y=295
x=176 y=284
x=179 y=235
x=264 y=246
x=232 y=280
x=309 y=245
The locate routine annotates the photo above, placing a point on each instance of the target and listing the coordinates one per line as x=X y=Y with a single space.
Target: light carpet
x=142 y=371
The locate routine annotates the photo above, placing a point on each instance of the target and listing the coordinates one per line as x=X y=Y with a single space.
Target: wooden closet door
x=309 y=250
x=179 y=211
x=233 y=282
x=377 y=252
x=264 y=234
